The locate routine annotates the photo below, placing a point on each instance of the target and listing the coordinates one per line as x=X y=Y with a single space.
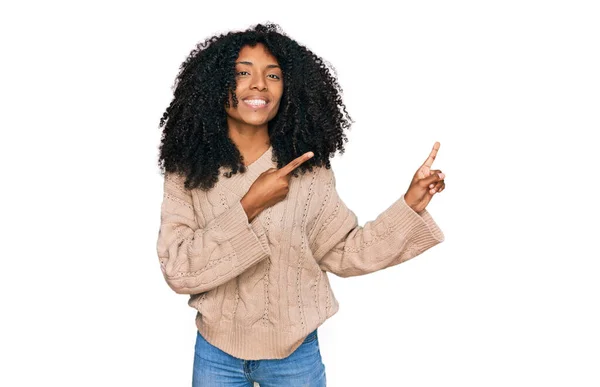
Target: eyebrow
x=250 y=64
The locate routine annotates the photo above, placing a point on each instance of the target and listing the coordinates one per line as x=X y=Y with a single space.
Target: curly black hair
x=311 y=114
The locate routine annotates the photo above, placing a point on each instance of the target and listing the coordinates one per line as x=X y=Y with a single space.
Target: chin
x=256 y=122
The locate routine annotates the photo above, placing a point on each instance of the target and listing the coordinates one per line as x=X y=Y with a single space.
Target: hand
x=270 y=187
x=425 y=183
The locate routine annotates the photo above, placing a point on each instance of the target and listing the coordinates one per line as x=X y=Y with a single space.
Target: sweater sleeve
x=193 y=259
x=344 y=248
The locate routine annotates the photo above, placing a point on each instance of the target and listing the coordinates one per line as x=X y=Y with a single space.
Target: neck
x=251 y=140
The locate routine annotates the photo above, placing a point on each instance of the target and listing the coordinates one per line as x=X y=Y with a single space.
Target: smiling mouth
x=255 y=103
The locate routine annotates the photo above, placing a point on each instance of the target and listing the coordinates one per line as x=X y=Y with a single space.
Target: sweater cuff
x=419 y=228
x=431 y=225
x=246 y=239
x=261 y=233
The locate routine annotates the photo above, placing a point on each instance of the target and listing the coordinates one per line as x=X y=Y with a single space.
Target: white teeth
x=255 y=101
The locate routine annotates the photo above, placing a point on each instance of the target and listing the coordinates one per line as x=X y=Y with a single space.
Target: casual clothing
x=261 y=287
x=304 y=367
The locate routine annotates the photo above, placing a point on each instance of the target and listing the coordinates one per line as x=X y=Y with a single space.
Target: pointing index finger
x=286 y=169
x=432 y=155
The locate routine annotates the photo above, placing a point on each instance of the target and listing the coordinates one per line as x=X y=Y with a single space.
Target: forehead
x=258 y=53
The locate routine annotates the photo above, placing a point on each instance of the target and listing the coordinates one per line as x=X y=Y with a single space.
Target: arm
x=346 y=249
x=194 y=260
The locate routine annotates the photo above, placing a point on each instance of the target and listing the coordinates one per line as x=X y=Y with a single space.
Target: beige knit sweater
x=261 y=287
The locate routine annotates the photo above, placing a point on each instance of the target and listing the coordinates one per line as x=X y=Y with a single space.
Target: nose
x=258 y=81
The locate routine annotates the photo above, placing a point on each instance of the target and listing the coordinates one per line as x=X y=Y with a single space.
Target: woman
x=251 y=221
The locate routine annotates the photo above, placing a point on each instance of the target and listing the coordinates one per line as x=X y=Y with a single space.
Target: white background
x=509 y=88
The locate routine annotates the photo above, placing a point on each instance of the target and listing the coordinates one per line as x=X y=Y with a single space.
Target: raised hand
x=270 y=187
x=425 y=169
x=425 y=183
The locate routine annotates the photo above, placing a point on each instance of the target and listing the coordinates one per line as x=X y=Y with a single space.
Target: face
x=259 y=87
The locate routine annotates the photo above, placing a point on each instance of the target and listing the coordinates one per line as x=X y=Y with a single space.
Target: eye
x=240 y=72
x=275 y=75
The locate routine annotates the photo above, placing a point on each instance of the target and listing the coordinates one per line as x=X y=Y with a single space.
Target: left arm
x=344 y=248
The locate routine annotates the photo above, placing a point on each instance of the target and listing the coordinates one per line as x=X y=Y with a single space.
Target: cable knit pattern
x=260 y=287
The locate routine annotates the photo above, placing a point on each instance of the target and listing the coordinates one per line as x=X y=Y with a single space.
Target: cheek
x=276 y=106
x=278 y=98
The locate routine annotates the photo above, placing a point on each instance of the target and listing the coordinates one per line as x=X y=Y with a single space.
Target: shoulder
x=323 y=184
x=316 y=182
x=325 y=176
x=174 y=178
x=322 y=172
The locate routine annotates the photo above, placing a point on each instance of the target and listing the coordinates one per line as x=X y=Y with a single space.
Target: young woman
x=251 y=221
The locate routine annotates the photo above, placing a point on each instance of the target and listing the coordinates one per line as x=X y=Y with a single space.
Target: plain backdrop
x=509 y=88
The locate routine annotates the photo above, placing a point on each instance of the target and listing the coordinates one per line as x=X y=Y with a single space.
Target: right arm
x=193 y=259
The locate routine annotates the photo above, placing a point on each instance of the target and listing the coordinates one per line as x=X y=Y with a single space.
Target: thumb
x=268 y=171
x=433 y=178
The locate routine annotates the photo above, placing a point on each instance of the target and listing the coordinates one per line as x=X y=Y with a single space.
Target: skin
x=270 y=187
x=258 y=75
x=273 y=185
x=425 y=183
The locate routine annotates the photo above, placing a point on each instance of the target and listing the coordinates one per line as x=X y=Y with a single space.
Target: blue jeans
x=215 y=368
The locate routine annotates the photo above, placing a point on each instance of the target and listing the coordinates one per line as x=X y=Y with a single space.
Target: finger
x=421 y=173
x=432 y=155
x=433 y=188
x=286 y=169
x=434 y=172
x=436 y=184
x=434 y=178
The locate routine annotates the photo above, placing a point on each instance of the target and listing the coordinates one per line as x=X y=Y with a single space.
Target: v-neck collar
x=241 y=182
